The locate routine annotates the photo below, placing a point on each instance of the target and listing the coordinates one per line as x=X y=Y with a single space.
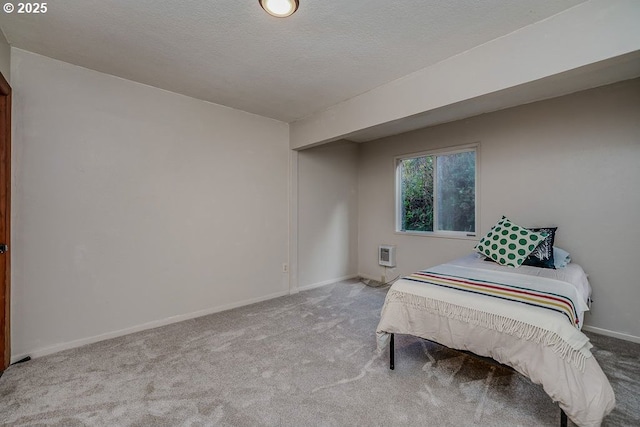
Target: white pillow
x=560 y=257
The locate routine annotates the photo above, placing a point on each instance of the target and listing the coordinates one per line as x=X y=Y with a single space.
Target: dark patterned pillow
x=542 y=255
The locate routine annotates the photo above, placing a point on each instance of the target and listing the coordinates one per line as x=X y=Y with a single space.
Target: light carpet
x=302 y=360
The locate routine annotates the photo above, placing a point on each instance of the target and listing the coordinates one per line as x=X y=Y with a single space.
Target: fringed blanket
x=529 y=295
x=527 y=307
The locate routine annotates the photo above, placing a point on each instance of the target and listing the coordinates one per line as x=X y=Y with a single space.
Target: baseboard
x=326 y=282
x=149 y=325
x=175 y=319
x=613 y=334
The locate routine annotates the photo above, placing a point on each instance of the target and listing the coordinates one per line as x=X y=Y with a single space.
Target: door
x=5 y=218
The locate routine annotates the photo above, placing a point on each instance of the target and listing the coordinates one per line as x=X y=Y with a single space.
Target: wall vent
x=387 y=255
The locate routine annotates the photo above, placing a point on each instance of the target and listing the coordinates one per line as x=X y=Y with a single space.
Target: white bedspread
x=565 y=367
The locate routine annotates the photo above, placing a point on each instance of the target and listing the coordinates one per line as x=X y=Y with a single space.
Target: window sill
x=439 y=234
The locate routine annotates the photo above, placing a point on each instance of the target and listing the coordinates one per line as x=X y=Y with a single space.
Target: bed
x=528 y=318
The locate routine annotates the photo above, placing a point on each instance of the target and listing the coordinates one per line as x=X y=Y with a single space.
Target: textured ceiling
x=232 y=53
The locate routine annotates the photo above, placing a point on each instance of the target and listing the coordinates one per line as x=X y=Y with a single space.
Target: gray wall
x=572 y=162
x=135 y=207
x=5 y=57
x=327 y=214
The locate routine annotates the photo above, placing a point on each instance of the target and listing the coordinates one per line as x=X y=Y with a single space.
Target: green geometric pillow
x=509 y=244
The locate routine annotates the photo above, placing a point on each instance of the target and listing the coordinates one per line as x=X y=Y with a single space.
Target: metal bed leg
x=391 y=357
x=563 y=419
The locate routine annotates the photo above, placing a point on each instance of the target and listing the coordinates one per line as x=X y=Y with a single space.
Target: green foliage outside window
x=457 y=191
x=417 y=194
x=455 y=201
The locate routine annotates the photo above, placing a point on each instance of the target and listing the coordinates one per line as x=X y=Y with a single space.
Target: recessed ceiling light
x=279 y=8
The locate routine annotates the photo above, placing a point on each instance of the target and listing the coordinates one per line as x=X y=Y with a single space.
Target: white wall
x=5 y=57
x=327 y=214
x=570 y=161
x=134 y=206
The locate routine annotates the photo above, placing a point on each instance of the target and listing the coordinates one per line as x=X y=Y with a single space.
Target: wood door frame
x=5 y=222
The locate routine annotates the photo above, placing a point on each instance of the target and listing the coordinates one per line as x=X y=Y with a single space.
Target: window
x=436 y=192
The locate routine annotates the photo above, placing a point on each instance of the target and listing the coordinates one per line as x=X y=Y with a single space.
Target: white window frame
x=398 y=193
